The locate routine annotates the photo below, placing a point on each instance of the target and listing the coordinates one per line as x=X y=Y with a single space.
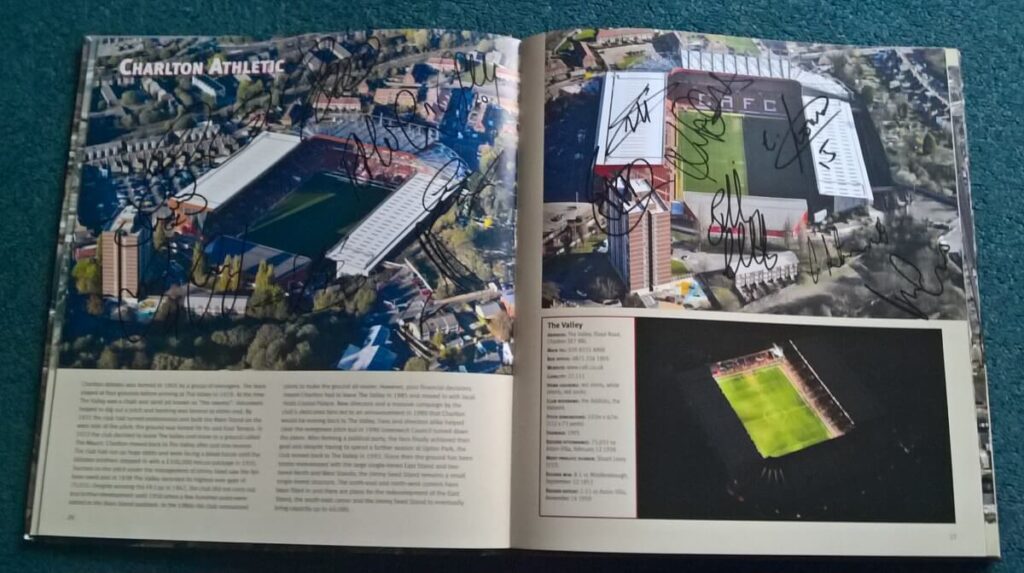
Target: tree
x=485 y=45
x=88 y=276
x=184 y=97
x=198 y=273
x=236 y=274
x=868 y=93
x=550 y=291
x=501 y=326
x=108 y=360
x=94 y=306
x=487 y=156
x=128 y=121
x=331 y=297
x=248 y=90
x=222 y=282
x=264 y=274
x=140 y=360
x=364 y=300
x=150 y=115
x=603 y=288
x=160 y=235
x=168 y=309
x=438 y=341
x=229 y=279
x=267 y=300
x=267 y=349
x=928 y=146
x=416 y=364
x=129 y=98
x=418 y=37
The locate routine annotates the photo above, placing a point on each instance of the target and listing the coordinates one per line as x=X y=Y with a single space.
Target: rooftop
x=632 y=119
x=219 y=185
x=391 y=221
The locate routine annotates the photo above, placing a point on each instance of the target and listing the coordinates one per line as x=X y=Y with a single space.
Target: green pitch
x=774 y=414
x=712 y=147
x=315 y=216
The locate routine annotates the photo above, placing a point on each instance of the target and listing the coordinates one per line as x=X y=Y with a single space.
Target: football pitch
x=714 y=145
x=315 y=216
x=774 y=414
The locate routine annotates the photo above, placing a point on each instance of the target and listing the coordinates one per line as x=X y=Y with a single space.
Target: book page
x=756 y=325
x=284 y=293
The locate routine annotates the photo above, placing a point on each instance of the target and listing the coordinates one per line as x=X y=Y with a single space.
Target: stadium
x=740 y=420
x=324 y=195
x=800 y=144
x=782 y=404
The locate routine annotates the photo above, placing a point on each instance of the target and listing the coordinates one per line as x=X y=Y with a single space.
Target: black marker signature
x=693 y=158
x=614 y=198
x=744 y=238
x=836 y=252
x=789 y=146
x=906 y=300
x=632 y=116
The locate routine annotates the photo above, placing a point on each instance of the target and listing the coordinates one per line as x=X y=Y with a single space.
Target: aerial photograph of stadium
x=696 y=171
x=783 y=405
x=767 y=421
x=315 y=202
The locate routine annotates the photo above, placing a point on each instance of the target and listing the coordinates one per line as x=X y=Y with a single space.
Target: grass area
x=315 y=216
x=720 y=141
x=679 y=268
x=741 y=46
x=589 y=244
x=586 y=34
x=630 y=60
x=774 y=414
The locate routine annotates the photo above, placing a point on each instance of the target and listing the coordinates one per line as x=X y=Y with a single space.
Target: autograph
x=692 y=158
x=614 y=197
x=744 y=239
x=906 y=297
x=789 y=147
x=836 y=252
x=635 y=114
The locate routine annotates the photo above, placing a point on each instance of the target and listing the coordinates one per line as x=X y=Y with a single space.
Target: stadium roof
x=735 y=64
x=391 y=221
x=838 y=162
x=843 y=174
x=219 y=185
x=632 y=121
x=763 y=67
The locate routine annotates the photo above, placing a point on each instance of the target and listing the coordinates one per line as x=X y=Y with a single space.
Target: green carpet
x=41 y=40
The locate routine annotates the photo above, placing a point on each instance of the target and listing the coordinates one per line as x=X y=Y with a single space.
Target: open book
x=621 y=290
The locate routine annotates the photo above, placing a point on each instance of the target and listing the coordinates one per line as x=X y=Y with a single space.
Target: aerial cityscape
x=318 y=202
x=693 y=171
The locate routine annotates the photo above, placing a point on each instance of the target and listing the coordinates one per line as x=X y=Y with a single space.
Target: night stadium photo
x=765 y=421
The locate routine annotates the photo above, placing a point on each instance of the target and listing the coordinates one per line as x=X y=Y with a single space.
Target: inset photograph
x=759 y=421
